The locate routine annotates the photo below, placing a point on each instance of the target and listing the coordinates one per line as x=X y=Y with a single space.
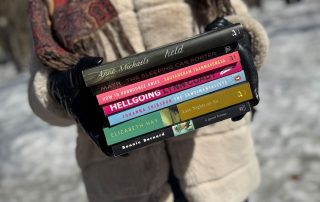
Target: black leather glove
x=69 y=90
x=247 y=63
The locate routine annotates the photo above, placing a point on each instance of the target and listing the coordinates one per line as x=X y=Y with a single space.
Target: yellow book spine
x=215 y=101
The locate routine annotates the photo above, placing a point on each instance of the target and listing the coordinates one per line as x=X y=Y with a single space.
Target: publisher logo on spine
x=225 y=70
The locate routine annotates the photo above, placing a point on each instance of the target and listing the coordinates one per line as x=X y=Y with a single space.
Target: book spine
x=177 y=98
x=162 y=55
x=171 y=89
x=133 y=78
x=175 y=114
x=168 y=78
x=180 y=129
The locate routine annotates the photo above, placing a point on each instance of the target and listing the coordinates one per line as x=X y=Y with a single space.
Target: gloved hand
x=246 y=60
x=69 y=90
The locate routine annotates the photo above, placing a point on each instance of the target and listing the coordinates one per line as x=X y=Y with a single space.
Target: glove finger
x=84 y=63
x=217 y=23
x=91 y=118
x=237 y=118
x=251 y=73
x=88 y=62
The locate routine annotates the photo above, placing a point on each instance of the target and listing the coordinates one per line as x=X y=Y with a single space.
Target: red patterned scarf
x=65 y=30
x=61 y=28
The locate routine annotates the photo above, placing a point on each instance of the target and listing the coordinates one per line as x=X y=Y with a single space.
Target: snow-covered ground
x=37 y=160
x=287 y=126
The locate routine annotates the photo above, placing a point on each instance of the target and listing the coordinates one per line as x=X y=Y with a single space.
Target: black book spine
x=166 y=54
x=140 y=76
x=180 y=129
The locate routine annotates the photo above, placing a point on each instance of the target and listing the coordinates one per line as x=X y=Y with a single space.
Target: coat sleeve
x=259 y=38
x=40 y=101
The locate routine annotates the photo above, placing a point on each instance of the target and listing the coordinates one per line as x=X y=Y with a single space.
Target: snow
x=286 y=129
x=7 y=71
x=38 y=162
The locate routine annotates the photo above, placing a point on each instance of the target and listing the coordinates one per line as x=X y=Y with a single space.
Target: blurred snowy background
x=37 y=161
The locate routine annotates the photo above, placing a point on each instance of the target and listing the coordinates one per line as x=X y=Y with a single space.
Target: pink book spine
x=171 y=89
x=168 y=78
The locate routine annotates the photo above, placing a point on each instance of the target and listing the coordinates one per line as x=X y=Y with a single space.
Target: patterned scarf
x=65 y=30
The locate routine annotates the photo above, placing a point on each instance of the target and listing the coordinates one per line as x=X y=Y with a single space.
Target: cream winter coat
x=216 y=163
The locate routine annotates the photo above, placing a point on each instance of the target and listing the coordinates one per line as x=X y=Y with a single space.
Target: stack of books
x=171 y=90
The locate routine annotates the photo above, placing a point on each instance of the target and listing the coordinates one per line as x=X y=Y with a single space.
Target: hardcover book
x=170 y=89
x=162 y=69
x=156 y=57
x=168 y=78
x=173 y=90
x=177 y=98
x=177 y=113
x=180 y=129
